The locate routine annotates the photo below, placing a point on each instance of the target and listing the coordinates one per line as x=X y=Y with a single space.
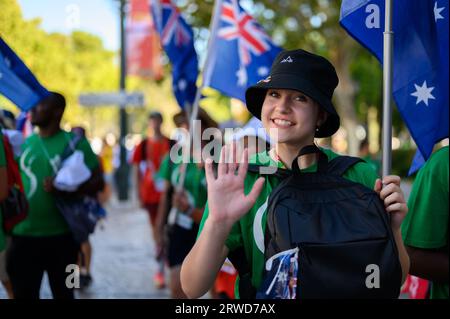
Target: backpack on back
x=15 y=206
x=328 y=237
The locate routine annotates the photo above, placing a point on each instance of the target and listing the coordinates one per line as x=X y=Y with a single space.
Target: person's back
x=425 y=229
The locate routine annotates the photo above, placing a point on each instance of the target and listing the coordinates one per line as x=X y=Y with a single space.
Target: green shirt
x=426 y=224
x=2 y=165
x=40 y=159
x=195 y=180
x=249 y=230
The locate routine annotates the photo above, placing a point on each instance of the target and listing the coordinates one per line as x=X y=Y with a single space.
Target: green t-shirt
x=38 y=156
x=426 y=224
x=195 y=180
x=2 y=164
x=248 y=232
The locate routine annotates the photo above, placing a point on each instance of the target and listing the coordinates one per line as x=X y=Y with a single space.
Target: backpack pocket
x=359 y=269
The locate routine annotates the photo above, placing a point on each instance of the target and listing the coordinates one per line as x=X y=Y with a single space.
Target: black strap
x=311 y=149
x=239 y=261
x=70 y=147
x=144 y=150
x=339 y=165
x=269 y=170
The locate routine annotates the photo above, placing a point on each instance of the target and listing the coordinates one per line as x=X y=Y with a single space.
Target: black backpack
x=327 y=236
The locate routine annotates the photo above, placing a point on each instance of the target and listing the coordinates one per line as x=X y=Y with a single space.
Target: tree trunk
x=345 y=95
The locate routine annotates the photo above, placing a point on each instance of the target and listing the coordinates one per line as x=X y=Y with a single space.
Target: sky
x=99 y=17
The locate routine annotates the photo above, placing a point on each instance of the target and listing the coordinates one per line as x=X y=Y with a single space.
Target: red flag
x=143 y=45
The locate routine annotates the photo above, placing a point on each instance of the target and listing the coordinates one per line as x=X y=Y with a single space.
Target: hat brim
x=255 y=95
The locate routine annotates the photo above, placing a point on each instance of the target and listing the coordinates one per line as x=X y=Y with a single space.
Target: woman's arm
x=227 y=203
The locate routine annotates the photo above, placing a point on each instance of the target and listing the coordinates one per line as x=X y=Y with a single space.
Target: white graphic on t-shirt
x=258 y=232
x=25 y=166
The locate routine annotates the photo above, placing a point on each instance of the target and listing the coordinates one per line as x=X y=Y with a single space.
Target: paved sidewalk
x=123 y=260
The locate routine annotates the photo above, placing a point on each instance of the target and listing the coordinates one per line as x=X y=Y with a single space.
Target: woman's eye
x=301 y=98
x=273 y=94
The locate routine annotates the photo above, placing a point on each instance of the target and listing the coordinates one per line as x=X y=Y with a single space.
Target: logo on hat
x=287 y=60
x=266 y=80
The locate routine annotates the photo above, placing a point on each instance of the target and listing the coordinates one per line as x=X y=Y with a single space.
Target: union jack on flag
x=177 y=39
x=241 y=52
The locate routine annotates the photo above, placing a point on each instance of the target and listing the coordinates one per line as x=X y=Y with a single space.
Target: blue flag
x=241 y=53
x=420 y=61
x=17 y=82
x=177 y=40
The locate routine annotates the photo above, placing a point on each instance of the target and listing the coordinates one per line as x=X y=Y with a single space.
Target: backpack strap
x=339 y=165
x=263 y=170
x=70 y=147
x=144 y=150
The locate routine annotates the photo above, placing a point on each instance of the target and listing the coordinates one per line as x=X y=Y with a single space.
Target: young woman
x=295 y=100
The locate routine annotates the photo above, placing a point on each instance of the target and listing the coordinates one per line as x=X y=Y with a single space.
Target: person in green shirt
x=186 y=208
x=294 y=101
x=43 y=241
x=425 y=228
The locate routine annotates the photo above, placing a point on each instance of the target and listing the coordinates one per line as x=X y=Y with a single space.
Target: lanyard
x=53 y=165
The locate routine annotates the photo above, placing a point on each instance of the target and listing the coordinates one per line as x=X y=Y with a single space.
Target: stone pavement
x=123 y=260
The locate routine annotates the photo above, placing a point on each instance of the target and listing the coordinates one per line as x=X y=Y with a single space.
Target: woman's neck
x=286 y=153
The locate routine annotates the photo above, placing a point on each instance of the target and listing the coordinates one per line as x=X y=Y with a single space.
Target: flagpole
x=388 y=37
x=194 y=110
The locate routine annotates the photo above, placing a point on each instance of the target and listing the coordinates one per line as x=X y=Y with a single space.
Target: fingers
x=256 y=190
x=397 y=207
x=390 y=189
x=223 y=167
x=232 y=159
x=393 y=198
x=209 y=171
x=378 y=186
x=394 y=179
x=242 y=171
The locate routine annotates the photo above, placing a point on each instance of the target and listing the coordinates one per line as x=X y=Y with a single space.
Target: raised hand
x=226 y=198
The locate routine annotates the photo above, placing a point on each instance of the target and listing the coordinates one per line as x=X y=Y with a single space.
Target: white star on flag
x=437 y=12
x=242 y=76
x=182 y=85
x=423 y=93
x=263 y=71
x=8 y=63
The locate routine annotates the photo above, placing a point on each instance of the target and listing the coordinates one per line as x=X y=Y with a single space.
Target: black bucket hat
x=302 y=71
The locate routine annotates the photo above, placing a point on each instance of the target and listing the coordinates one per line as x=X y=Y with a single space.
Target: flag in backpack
x=420 y=61
x=241 y=52
x=17 y=82
x=177 y=39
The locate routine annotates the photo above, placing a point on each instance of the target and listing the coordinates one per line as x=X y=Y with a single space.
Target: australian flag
x=177 y=40
x=241 y=52
x=17 y=82
x=420 y=61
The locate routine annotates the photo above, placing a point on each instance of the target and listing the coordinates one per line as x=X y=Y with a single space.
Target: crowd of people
x=203 y=211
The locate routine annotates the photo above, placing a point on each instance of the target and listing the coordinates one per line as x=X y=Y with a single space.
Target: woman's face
x=292 y=114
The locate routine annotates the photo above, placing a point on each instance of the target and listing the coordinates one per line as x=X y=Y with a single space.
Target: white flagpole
x=194 y=111
x=388 y=37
